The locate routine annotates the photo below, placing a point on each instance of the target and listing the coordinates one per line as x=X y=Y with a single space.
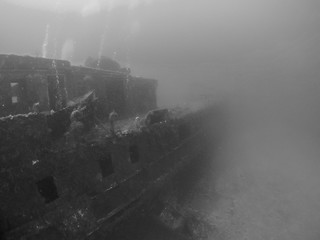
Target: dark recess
x=48 y=189
x=134 y=153
x=106 y=166
x=183 y=131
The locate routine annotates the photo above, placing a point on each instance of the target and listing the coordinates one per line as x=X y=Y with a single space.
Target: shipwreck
x=56 y=186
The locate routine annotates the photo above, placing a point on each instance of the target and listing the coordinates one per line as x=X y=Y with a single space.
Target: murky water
x=268 y=190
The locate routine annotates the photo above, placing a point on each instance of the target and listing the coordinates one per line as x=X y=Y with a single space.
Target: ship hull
x=83 y=190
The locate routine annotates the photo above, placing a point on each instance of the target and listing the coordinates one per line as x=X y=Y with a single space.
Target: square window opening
x=106 y=166
x=134 y=154
x=48 y=189
x=14 y=92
